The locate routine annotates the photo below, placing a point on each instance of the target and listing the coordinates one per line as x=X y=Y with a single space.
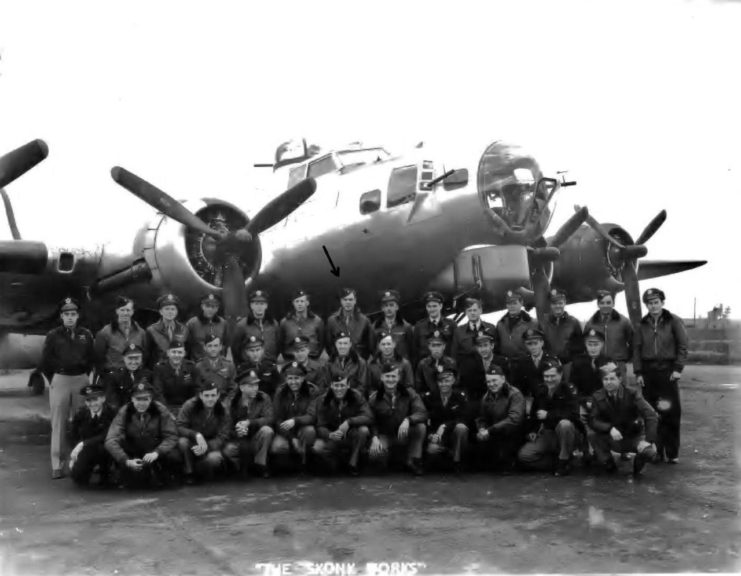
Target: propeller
x=229 y=244
x=19 y=161
x=624 y=257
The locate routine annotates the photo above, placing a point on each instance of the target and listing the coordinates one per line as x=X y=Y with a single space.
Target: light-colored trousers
x=64 y=399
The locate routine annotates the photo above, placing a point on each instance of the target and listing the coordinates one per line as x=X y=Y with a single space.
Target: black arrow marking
x=335 y=271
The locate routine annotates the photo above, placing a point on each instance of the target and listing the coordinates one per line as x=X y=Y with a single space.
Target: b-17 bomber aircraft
x=412 y=222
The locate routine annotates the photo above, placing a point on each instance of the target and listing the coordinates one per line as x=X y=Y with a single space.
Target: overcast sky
x=638 y=99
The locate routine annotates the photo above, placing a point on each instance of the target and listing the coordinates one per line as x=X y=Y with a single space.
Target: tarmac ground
x=675 y=518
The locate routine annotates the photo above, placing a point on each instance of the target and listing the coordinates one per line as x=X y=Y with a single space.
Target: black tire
x=37 y=383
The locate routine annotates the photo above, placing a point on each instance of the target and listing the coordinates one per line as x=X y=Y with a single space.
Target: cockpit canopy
x=337 y=161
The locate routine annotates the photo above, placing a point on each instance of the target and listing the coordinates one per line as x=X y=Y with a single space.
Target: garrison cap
x=557 y=294
x=433 y=296
x=512 y=295
x=609 y=367
x=207 y=386
x=122 y=301
x=301 y=341
x=69 y=304
x=345 y=292
x=298 y=293
x=92 y=390
x=254 y=342
x=446 y=366
x=176 y=343
x=495 y=369
x=338 y=376
x=387 y=367
x=258 y=296
x=594 y=334
x=168 y=300
x=143 y=387
x=549 y=363
x=211 y=337
x=436 y=337
x=248 y=376
x=211 y=299
x=532 y=334
x=341 y=335
x=390 y=296
x=132 y=349
x=653 y=293
x=294 y=368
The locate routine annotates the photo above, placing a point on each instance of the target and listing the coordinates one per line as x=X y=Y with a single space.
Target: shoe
x=563 y=468
x=673 y=460
x=610 y=466
x=414 y=468
x=56 y=474
x=638 y=463
x=353 y=470
x=262 y=471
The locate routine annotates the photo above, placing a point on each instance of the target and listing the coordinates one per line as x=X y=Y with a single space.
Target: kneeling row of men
x=339 y=426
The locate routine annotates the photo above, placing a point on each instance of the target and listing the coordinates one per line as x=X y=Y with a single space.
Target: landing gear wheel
x=37 y=383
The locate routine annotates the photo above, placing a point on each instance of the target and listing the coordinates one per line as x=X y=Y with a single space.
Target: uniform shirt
x=401 y=332
x=214 y=425
x=425 y=376
x=68 y=352
x=472 y=374
x=464 y=339
x=563 y=336
x=502 y=411
x=356 y=325
x=625 y=413
x=618 y=333
x=174 y=387
x=111 y=342
x=221 y=371
x=510 y=331
x=389 y=411
x=312 y=327
x=660 y=340
x=406 y=374
x=152 y=431
x=585 y=374
x=91 y=429
x=199 y=329
x=268 y=330
x=449 y=414
x=527 y=373
x=267 y=371
x=259 y=411
x=563 y=404
x=287 y=405
x=159 y=339
x=330 y=412
x=353 y=367
x=121 y=382
x=425 y=328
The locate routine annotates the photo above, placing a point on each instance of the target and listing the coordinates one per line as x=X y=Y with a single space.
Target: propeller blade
x=632 y=292
x=597 y=227
x=235 y=298
x=281 y=206
x=652 y=227
x=160 y=200
x=634 y=251
x=569 y=227
x=10 y=214
x=542 y=288
x=19 y=161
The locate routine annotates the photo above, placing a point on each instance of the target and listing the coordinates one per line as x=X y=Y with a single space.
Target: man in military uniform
x=121 y=381
x=435 y=322
x=254 y=355
x=313 y=368
x=301 y=321
x=621 y=420
x=112 y=341
x=660 y=355
x=512 y=326
x=392 y=323
x=252 y=416
x=465 y=336
x=500 y=422
x=527 y=371
x=214 y=367
x=343 y=359
x=425 y=376
x=448 y=412
x=143 y=440
x=350 y=320
x=342 y=420
x=294 y=426
x=175 y=378
x=563 y=335
x=617 y=330
x=89 y=428
x=258 y=323
x=204 y=426
x=66 y=360
x=399 y=422
x=554 y=424
x=167 y=329
x=386 y=353
x=206 y=324
x=473 y=368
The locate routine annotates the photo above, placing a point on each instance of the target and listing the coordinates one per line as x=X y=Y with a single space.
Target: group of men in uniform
x=167 y=404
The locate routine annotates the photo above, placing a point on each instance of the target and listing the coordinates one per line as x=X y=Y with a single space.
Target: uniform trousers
x=253 y=447
x=540 y=454
x=90 y=456
x=354 y=441
x=663 y=394
x=205 y=465
x=411 y=446
x=297 y=441
x=454 y=442
x=604 y=445
x=155 y=474
x=500 y=449
x=64 y=400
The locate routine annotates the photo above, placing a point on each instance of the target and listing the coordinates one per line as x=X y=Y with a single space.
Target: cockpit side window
x=402 y=186
x=323 y=165
x=296 y=175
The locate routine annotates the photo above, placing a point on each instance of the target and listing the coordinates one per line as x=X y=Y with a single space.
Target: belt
x=71 y=372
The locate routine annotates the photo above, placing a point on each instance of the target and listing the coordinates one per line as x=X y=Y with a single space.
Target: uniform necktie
x=169 y=332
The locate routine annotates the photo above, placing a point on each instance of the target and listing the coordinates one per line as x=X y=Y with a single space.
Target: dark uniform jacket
x=562 y=405
x=618 y=333
x=259 y=412
x=425 y=376
x=110 y=343
x=402 y=333
x=625 y=414
x=406 y=374
x=510 y=333
x=152 y=431
x=268 y=330
x=351 y=366
x=357 y=326
x=330 y=412
x=287 y=405
x=200 y=328
x=472 y=374
x=312 y=327
x=174 y=388
x=504 y=411
x=159 y=339
x=214 y=425
x=563 y=336
x=388 y=415
x=314 y=373
x=268 y=373
x=89 y=430
x=464 y=339
x=662 y=341
x=586 y=376
x=425 y=328
x=120 y=383
x=221 y=371
x=527 y=375
x=452 y=413
x=67 y=352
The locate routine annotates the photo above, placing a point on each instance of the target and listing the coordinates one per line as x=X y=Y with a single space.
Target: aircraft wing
x=655 y=268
